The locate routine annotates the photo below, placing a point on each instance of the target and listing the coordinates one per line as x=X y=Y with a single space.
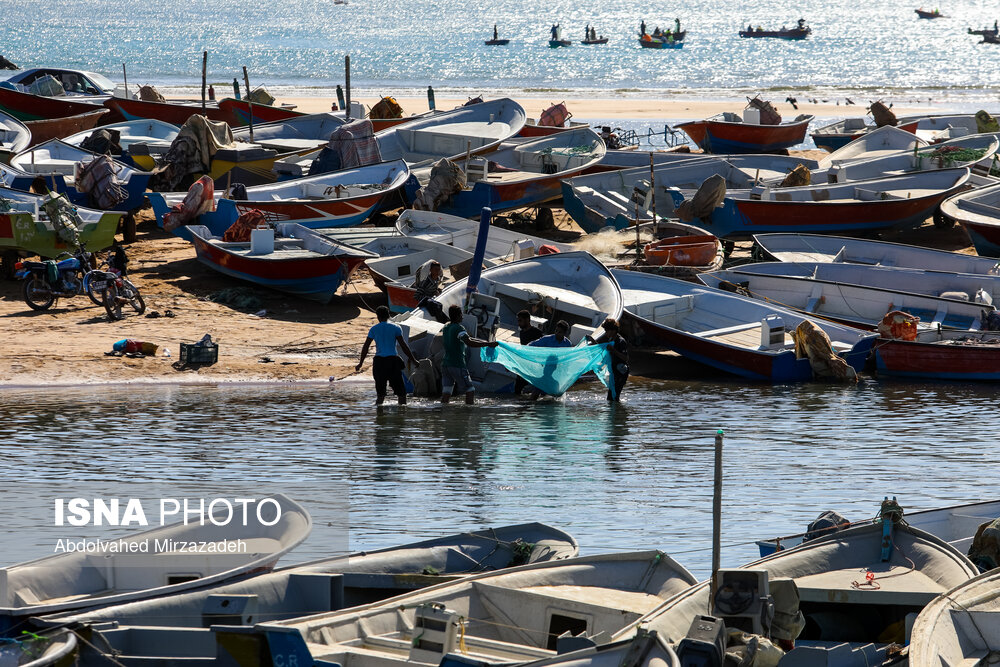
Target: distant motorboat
x=497 y=42
x=924 y=14
x=556 y=43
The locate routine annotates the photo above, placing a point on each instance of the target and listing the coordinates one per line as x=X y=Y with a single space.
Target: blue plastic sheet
x=552 y=369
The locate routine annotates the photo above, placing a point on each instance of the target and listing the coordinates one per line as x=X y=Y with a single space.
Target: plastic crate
x=192 y=353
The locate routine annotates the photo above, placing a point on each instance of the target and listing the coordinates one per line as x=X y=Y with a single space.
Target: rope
x=871 y=580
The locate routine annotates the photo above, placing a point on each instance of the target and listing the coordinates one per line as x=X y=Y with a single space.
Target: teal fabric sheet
x=552 y=369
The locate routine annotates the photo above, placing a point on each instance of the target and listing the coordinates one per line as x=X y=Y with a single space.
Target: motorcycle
x=44 y=282
x=115 y=287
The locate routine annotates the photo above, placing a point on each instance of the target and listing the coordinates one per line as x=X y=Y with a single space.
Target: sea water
x=633 y=476
x=858 y=50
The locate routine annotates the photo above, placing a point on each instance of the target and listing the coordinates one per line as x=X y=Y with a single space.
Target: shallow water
x=632 y=476
x=881 y=48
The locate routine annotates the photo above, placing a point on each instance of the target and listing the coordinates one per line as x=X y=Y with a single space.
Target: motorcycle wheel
x=112 y=304
x=35 y=284
x=88 y=282
x=131 y=293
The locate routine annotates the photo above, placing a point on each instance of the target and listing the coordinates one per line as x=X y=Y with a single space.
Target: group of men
x=387 y=366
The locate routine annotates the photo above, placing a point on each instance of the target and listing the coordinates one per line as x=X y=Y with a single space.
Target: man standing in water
x=526 y=333
x=455 y=370
x=387 y=367
x=619 y=356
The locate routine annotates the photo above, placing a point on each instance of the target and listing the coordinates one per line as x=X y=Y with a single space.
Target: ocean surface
x=625 y=477
x=858 y=49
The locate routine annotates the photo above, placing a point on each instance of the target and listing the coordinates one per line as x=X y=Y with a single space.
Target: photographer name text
x=150 y=546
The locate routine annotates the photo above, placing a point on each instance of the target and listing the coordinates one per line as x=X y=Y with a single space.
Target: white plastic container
x=772 y=333
x=751 y=116
x=261 y=241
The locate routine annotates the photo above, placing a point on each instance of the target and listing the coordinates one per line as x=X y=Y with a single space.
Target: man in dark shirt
x=527 y=332
x=619 y=356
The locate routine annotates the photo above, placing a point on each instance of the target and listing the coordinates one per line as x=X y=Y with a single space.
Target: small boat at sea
x=556 y=43
x=518 y=175
x=958 y=627
x=819 y=594
x=859 y=298
x=735 y=334
x=291 y=258
x=599 y=40
x=497 y=42
x=929 y=14
x=895 y=201
x=514 y=615
x=76 y=580
x=14 y=137
x=598 y=200
x=25 y=226
x=176 y=628
x=955 y=524
x=667 y=42
x=983 y=32
x=58 y=157
x=979 y=212
x=730 y=133
x=334 y=199
x=798 y=248
x=56 y=128
x=131 y=132
x=800 y=31
x=571 y=286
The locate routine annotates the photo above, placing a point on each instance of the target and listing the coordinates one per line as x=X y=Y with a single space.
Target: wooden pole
x=347 y=86
x=246 y=82
x=638 y=243
x=717 y=509
x=125 y=77
x=652 y=194
x=204 y=79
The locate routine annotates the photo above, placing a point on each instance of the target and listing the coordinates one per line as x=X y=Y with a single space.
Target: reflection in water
x=628 y=476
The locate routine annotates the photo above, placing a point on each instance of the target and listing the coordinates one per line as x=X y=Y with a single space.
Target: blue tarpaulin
x=553 y=370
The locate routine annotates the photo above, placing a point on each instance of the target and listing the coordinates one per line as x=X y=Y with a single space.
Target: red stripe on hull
x=176 y=114
x=277 y=269
x=848 y=214
x=938 y=360
x=310 y=209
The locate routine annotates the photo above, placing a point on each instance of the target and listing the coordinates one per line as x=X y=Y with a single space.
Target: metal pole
x=638 y=243
x=717 y=509
x=652 y=194
x=246 y=82
x=204 y=78
x=347 y=86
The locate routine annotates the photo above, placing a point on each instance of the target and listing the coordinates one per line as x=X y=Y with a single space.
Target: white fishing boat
x=732 y=333
x=571 y=286
x=293 y=134
x=955 y=524
x=176 y=628
x=845 y=599
x=815 y=248
x=463 y=233
x=838 y=134
x=877 y=143
x=979 y=212
x=33 y=649
x=511 y=616
x=81 y=580
x=14 y=137
x=933 y=129
x=146 y=130
x=611 y=198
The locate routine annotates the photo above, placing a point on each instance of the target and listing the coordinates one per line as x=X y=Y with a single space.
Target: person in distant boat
x=586 y=33
x=802 y=24
x=555 y=31
x=619 y=356
x=750 y=28
x=593 y=34
x=995 y=29
x=557 y=339
x=642 y=27
x=495 y=35
x=455 y=369
x=526 y=334
x=656 y=31
x=677 y=25
x=387 y=367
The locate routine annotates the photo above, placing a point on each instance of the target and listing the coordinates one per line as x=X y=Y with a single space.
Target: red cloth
x=200 y=199
x=240 y=230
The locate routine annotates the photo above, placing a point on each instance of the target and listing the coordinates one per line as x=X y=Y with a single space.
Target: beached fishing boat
x=174 y=628
x=131 y=132
x=303 y=132
x=980 y=290
x=58 y=157
x=14 y=137
x=335 y=199
x=595 y=201
x=174 y=113
x=959 y=627
x=895 y=201
x=57 y=128
x=463 y=233
x=874 y=143
x=732 y=333
x=262 y=113
x=729 y=133
x=962 y=356
x=517 y=175
x=24 y=226
x=571 y=286
x=514 y=615
x=794 y=248
x=955 y=524
x=31 y=95
x=836 y=135
x=79 y=580
x=292 y=259
x=820 y=592
x=31 y=649
x=979 y=212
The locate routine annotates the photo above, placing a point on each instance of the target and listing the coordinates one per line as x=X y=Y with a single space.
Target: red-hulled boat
x=728 y=133
x=262 y=113
x=169 y=112
x=25 y=106
x=60 y=128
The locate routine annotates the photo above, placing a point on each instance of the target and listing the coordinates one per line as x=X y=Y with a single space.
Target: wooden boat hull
x=176 y=114
x=60 y=128
x=935 y=361
x=20 y=231
x=239 y=110
x=316 y=278
x=714 y=136
x=25 y=106
x=979 y=212
x=401 y=298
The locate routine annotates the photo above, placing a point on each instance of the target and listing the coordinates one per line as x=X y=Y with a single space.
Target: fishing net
x=946 y=156
x=552 y=370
